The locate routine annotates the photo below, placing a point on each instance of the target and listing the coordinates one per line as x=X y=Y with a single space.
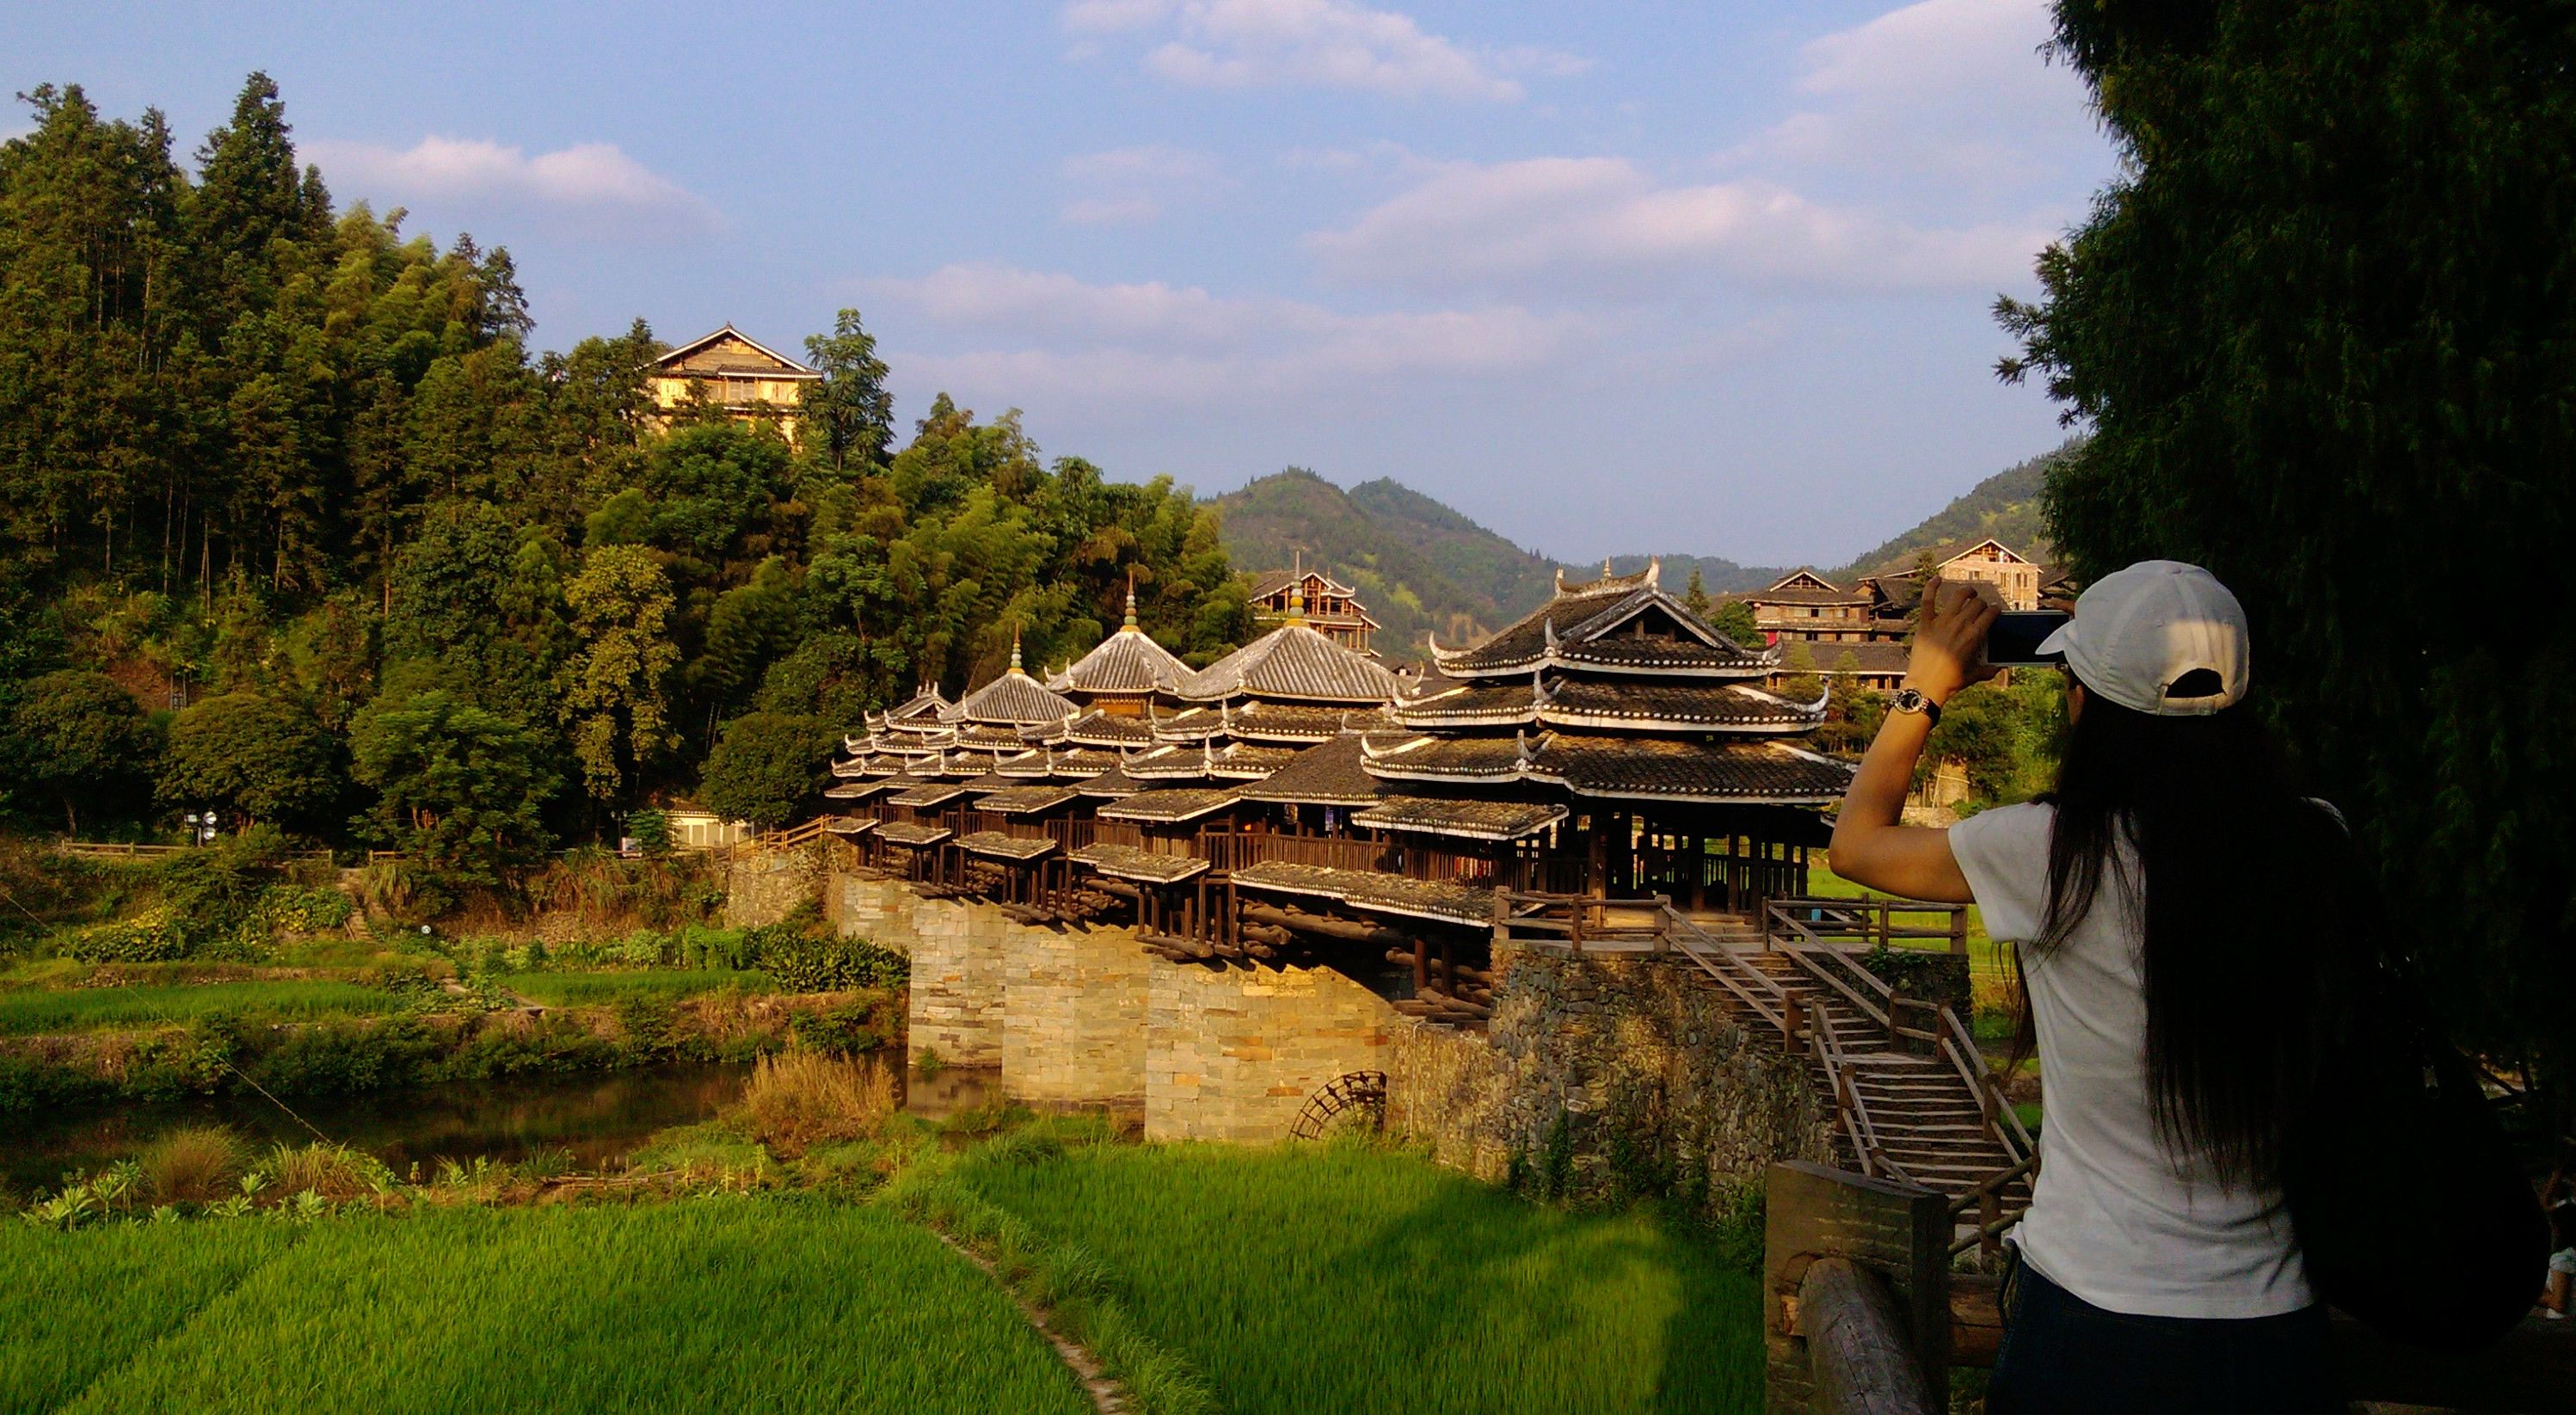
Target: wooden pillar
x=1448 y=965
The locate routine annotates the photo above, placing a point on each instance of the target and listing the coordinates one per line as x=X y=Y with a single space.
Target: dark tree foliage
x=458 y=787
x=2324 y=334
x=767 y=769
x=277 y=460
x=79 y=741
x=252 y=757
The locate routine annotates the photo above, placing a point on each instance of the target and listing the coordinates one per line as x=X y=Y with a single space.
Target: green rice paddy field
x=1342 y=1277
x=29 y=1010
x=766 y=1303
x=1296 y=1278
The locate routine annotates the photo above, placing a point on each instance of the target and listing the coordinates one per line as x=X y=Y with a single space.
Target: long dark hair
x=2246 y=895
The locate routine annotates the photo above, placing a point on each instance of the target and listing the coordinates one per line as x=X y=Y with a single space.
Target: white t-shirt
x=2117 y=1218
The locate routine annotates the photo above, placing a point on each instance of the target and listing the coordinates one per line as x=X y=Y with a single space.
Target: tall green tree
x=2323 y=328
x=849 y=414
x=612 y=689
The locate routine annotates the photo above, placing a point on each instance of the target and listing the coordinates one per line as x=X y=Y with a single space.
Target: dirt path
x=1106 y=1396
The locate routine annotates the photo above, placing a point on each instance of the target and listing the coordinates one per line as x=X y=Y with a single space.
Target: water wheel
x=1356 y=1090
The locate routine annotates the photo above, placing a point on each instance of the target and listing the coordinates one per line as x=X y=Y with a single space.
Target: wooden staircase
x=1913 y=1099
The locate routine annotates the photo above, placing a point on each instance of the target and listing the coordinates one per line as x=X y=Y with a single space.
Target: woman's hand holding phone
x=1950 y=639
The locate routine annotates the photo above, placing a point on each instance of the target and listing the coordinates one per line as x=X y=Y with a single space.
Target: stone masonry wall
x=1073 y=1014
x=1638 y=1053
x=766 y=887
x=1233 y=1053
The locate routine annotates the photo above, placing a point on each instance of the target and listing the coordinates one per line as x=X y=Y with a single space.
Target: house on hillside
x=1999 y=565
x=733 y=371
x=1806 y=606
x=1328 y=606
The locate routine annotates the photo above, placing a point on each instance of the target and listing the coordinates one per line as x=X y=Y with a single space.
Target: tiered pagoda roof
x=1612 y=690
x=1292 y=664
x=1127 y=664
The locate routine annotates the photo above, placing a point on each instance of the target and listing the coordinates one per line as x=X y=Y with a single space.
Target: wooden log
x=1118 y=887
x=1270 y=934
x=1196 y=948
x=1346 y=930
x=1857 y=1348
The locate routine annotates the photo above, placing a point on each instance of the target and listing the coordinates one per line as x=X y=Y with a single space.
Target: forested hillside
x=2005 y=506
x=296 y=527
x=1418 y=564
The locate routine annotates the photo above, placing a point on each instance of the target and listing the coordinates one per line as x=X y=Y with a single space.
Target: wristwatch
x=1913 y=700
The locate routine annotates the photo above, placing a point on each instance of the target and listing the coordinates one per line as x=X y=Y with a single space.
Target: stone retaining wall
x=1639 y=1055
x=1233 y=1053
x=767 y=886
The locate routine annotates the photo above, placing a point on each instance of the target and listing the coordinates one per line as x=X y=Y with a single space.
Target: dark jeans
x=2061 y=1353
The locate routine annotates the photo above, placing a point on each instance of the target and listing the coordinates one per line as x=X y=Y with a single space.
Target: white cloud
x=1157 y=343
x=1130 y=185
x=1317 y=43
x=1601 y=225
x=1943 y=100
x=590 y=179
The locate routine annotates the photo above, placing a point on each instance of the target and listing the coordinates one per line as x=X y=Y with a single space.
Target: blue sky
x=1607 y=277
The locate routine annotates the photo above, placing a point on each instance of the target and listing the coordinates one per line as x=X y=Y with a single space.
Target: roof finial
x=1131 y=598
x=1605 y=567
x=1015 y=649
x=1297 y=598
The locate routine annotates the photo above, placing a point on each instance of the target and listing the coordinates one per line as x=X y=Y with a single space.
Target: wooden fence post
x=1894 y=1234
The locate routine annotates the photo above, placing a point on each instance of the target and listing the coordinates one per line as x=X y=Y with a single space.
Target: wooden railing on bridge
x=1870 y=921
x=1861 y=1312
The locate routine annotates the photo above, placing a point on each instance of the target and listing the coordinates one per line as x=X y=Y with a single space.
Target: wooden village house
x=1328 y=606
x=731 y=370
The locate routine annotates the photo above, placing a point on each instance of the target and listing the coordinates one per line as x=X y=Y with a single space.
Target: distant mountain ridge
x=1422 y=566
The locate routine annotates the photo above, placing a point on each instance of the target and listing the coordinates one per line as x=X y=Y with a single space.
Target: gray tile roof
x=1563 y=699
x=1110 y=784
x=1625 y=768
x=932 y=794
x=1581 y=625
x=1026 y=800
x=1325 y=775
x=1015 y=699
x=1170 y=807
x=1149 y=866
x=1293 y=663
x=850 y=825
x=1441 y=900
x=1005 y=847
x=1472 y=819
x=913 y=834
x=1128 y=661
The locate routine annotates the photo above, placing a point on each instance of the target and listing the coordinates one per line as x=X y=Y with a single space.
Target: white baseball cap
x=2137 y=631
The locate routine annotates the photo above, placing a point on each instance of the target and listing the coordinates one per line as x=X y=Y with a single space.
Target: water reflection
x=596 y=1118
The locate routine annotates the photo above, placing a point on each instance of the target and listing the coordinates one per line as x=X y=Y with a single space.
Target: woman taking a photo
x=2174 y=993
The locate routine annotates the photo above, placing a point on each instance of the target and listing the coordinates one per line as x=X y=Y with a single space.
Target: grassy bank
x=593 y=989
x=1348 y=1277
x=760 y=1302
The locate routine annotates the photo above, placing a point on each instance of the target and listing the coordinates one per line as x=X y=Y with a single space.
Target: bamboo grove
x=296 y=528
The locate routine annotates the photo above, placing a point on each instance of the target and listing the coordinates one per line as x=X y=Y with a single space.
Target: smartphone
x=2014 y=640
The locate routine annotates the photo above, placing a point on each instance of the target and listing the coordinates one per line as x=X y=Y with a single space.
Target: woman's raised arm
x=1870 y=848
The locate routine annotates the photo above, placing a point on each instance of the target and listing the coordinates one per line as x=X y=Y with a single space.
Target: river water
x=594 y=1119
